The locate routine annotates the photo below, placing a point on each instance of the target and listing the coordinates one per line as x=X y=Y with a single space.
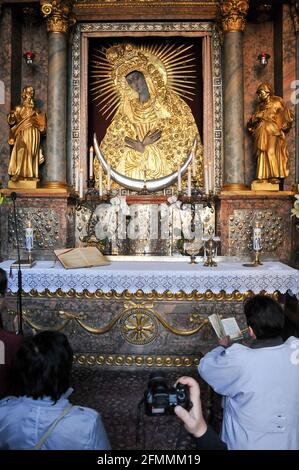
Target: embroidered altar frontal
x=141 y=314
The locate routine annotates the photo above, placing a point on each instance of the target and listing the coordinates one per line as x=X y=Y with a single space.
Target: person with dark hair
x=9 y=344
x=259 y=382
x=42 y=418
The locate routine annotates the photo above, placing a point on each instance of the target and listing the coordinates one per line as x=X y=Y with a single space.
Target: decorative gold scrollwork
x=139 y=326
x=233 y=14
x=151 y=296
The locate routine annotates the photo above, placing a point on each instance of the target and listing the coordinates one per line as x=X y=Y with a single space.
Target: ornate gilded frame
x=84 y=31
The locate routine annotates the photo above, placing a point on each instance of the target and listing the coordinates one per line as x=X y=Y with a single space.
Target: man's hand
x=225 y=341
x=193 y=419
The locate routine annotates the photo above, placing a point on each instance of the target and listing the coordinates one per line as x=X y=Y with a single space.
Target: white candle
x=91 y=162
x=210 y=175
x=77 y=175
x=206 y=179
x=179 y=179
x=29 y=237
x=100 y=182
x=257 y=237
x=108 y=177
x=81 y=184
x=189 y=182
x=193 y=163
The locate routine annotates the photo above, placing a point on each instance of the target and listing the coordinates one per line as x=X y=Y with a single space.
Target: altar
x=146 y=155
x=139 y=313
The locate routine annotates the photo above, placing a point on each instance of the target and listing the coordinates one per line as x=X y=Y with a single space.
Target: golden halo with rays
x=177 y=62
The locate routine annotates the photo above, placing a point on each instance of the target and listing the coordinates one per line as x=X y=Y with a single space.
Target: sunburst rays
x=178 y=61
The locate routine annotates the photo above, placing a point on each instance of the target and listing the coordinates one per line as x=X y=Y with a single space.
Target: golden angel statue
x=153 y=128
x=269 y=124
x=27 y=124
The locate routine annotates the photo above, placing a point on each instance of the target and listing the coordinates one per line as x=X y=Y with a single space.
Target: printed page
x=71 y=258
x=231 y=328
x=216 y=324
x=93 y=256
x=81 y=257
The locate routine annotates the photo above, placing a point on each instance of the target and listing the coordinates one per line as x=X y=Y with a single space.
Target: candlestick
x=193 y=164
x=179 y=179
x=108 y=177
x=211 y=186
x=81 y=184
x=206 y=179
x=77 y=176
x=189 y=182
x=100 y=182
x=29 y=236
x=257 y=237
x=91 y=162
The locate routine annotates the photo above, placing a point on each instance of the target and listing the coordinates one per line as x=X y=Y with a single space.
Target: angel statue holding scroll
x=153 y=129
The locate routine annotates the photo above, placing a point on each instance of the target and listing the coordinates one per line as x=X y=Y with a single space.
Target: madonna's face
x=137 y=81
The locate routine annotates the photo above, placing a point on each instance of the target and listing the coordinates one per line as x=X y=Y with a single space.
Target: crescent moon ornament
x=138 y=185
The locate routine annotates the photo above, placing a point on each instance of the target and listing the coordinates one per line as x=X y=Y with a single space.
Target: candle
x=179 y=179
x=193 y=163
x=91 y=162
x=29 y=236
x=189 y=182
x=77 y=175
x=210 y=175
x=81 y=184
x=108 y=177
x=100 y=182
x=257 y=237
x=206 y=179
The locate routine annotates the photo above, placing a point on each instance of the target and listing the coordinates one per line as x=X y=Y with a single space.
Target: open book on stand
x=225 y=327
x=86 y=257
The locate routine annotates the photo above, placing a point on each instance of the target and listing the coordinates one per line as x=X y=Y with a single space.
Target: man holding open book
x=259 y=383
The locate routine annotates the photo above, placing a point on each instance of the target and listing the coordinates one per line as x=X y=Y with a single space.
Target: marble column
x=232 y=16
x=295 y=15
x=59 y=18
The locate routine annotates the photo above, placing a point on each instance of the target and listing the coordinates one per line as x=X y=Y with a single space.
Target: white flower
x=295 y=210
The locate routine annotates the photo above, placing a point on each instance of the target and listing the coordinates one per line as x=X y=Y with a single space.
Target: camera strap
x=140 y=428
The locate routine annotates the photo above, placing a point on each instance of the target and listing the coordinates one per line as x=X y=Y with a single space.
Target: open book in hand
x=226 y=327
x=86 y=257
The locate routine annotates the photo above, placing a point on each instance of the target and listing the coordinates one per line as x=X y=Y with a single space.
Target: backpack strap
x=52 y=426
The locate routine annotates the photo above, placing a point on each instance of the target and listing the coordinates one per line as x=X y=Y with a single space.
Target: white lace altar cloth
x=156 y=276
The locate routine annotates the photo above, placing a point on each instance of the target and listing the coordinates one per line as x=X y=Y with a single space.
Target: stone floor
x=116 y=395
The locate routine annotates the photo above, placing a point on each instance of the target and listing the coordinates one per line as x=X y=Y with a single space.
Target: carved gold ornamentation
x=58 y=14
x=295 y=14
x=139 y=326
x=140 y=295
x=145 y=89
x=82 y=4
x=232 y=14
x=131 y=361
x=157 y=28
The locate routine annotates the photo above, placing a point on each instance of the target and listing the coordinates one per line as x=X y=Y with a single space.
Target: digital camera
x=161 y=399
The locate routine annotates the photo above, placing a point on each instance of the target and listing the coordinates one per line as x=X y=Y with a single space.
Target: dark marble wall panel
x=258 y=37
x=35 y=40
x=83 y=317
x=5 y=77
x=289 y=74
